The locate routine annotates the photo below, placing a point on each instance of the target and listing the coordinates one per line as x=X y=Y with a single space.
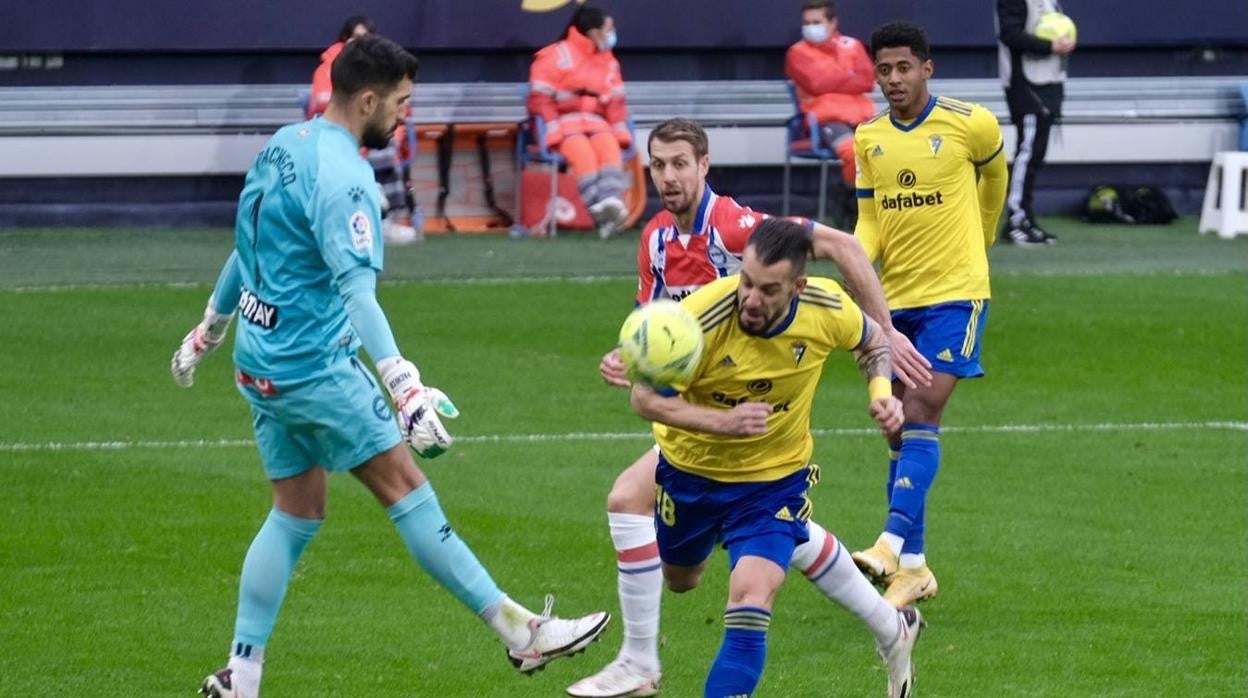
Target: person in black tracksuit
x=1033 y=71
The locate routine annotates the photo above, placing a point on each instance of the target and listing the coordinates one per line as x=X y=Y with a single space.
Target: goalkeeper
x=303 y=277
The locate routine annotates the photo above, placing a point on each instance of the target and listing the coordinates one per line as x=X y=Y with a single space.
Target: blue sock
x=266 y=572
x=916 y=470
x=440 y=551
x=739 y=665
x=914 y=543
x=894 y=453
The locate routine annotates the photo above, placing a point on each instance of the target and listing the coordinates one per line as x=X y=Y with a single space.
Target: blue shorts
x=338 y=420
x=948 y=334
x=765 y=519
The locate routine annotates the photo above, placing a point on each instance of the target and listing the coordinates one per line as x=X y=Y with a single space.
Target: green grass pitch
x=1088 y=527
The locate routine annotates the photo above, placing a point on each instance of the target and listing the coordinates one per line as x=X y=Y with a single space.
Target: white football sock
x=911 y=561
x=834 y=573
x=511 y=621
x=893 y=541
x=640 y=586
x=246 y=675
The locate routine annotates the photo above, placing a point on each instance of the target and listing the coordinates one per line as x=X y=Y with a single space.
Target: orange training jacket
x=578 y=89
x=833 y=78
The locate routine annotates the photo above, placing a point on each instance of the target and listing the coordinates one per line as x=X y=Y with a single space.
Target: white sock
x=893 y=541
x=832 y=572
x=246 y=675
x=640 y=586
x=911 y=561
x=511 y=621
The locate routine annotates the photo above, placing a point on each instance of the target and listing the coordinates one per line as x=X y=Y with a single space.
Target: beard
x=375 y=137
x=761 y=330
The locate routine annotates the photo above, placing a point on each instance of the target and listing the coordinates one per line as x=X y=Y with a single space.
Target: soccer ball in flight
x=661 y=343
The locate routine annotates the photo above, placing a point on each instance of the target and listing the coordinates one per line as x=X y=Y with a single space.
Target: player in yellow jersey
x=735 y=446
x=931 y=185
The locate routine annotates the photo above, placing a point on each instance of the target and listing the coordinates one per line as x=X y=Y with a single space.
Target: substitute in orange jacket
x=833 y=75
x=322 y=88
x=576 y=87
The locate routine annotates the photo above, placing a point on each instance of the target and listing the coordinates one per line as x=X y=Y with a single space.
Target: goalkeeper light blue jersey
x=309 y=213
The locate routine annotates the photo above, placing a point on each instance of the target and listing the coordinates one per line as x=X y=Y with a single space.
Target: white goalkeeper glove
x=418 y=406
x=197 y=343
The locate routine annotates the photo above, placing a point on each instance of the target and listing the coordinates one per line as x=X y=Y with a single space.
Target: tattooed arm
x=875 y=361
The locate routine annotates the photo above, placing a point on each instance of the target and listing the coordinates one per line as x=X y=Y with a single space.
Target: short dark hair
x=371 y=61
x=686 y=130
x=348 y=27
x=828 y=7
x=585 y=18
x=777 y=239
x=901 y=34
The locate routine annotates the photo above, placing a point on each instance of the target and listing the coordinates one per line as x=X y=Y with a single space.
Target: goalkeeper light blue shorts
x=763 y=519
x=947 y=334
x=337 y=419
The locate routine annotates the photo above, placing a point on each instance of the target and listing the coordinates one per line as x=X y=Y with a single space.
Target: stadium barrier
x=128 y=130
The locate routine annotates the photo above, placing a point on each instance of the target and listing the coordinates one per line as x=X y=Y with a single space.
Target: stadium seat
x=1243 y=117
x=802 y=140
x=531 y=149
x=1225 y=210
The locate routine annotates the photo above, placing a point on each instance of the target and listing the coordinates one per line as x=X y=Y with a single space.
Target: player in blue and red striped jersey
x=699 y=237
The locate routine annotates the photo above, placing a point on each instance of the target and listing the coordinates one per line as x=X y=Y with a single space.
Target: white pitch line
x=26 y=447
x=206 y=284
x=450 y=280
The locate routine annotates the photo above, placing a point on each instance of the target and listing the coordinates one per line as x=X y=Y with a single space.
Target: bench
x=216 y=129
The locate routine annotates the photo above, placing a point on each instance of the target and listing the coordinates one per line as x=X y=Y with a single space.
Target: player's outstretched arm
x=873 y=357
x=418 y=406
x=746 y=419
x=210 y=332
x=994 y=179
x=848 y=255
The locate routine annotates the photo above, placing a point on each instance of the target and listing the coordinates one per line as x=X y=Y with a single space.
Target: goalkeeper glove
x=418 y=407
x=197 y=343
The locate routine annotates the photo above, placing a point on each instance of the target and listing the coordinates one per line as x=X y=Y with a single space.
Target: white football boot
x=554 y=637
x=897 y=655
x=620 y=679
x=221 y=685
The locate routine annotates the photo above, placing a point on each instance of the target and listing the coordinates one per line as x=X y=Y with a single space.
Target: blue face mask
x=608 y=41
x=815 y=33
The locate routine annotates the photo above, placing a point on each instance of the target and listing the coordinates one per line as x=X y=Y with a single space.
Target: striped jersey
x=673 y=264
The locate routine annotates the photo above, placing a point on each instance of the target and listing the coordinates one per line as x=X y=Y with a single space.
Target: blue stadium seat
x=531 y=150
x=1243 y=118
x=802 y=140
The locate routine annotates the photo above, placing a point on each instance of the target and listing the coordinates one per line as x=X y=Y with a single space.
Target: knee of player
x=758 y=595
x=626 y=497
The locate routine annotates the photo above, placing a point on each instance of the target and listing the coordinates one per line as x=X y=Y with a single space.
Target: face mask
x=815 y=33
x=608 y=41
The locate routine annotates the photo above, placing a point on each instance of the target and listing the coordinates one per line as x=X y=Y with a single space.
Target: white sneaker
x=221 y=685
x=619 y=679
x=610 y=210
x=897 y=655
x=554 y=637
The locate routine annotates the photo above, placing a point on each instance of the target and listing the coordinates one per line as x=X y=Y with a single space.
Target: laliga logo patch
x=747 y=221
x=361 y=232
